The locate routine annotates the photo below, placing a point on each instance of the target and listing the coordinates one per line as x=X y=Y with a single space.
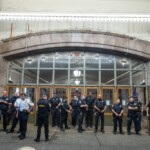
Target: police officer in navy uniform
x=4 y=104
x=89 y=111
x=43 y=110
x=132 y=115
x=14 y=112
x=139 y=112
x=117 y=110
x=82 y=108
x=100 y=107
x=55 y=110
x=65 y=109
x=68 y=107
x=75 y=109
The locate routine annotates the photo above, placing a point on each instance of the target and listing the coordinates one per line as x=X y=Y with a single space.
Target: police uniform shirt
x=132 y=112
x=90 y=101
x=54 y=102
x=13 y=100
x=43 y=107
x=117 y=108
x=82 y=102
x=100 y=104
x=23 y=104
x=139 y=106
x=6 y=99
x=75 y=105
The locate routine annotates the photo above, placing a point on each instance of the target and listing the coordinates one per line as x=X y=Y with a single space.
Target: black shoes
x=10 y=131
x=67 y=128
x=22 y=137
x=95 y=131
x=129 y=133
x=79 y=130
x=102 y=130
x=62 y=129
x=46 y=139
x=37 y=140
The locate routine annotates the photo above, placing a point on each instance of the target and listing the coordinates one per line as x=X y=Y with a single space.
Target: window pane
x=61 y=92
x=46 y=62
x=30 y=76
x=44 y=91
x=107 y=61
x=123 y=78
x=31 y=62
x=137 y=64
x=107 y=77
x=45 y=76
x=108 y=97
x=92 y=77
x=61 y=60
x=122 y=63
x=61 y=76
x=138 y=77
x=15 y=76
x=16 y=63
x=92 y=61
x=73 y=78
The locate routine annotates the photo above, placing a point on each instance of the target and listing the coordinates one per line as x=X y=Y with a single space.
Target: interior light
x=29 y=60
x=77 y=73
x=77 y=82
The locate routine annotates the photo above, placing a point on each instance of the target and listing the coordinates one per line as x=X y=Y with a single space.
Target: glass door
x=44 y=90
x=123 y=94
x=75 y=91
x=61 y=91
x=93 y=90
x=108 y=97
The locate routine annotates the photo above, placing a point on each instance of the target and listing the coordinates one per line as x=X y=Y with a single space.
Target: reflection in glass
x=94 y=92
x=15 y=76
x=61 y=92
x=138 y=77
x=123 y=78
x=30 y=76
x=108 y=98
x=44 y=91
x=107 y=77
x=92 y=77
x=61 y=76
x=45 y=76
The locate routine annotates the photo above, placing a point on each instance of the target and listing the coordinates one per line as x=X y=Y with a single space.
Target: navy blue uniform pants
x=89 y=117
x=117 y=120
x=97 y=116
x=74 y=117
x=80 y=120
x=23 y=119
x=43 y=120
x=131 y=119
x=55 y=117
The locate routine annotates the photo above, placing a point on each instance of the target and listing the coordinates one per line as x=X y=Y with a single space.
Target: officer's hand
x=147 y=115
x=119 y=115
x=28 y=111
x=102 y=111
x=130 y=108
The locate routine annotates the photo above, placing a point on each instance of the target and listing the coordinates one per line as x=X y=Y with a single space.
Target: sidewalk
x=72 y=140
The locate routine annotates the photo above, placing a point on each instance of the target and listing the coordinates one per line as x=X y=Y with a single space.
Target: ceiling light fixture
x=77 y=73
x=77 y=82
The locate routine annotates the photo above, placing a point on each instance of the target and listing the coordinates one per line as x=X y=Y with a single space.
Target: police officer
x=14 y=112
x=89 y=111
x=139 y=112
x=68 y=107
x=43 y=109
x=24 y=107
x=4 y=104
x=100 y=107
x=65 y=109
x=117 y=110
x=82 y=108
x=132 y=115
x=75 y=109
x=55 y=110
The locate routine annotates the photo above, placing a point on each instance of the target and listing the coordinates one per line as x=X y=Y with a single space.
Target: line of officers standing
x=18 y=108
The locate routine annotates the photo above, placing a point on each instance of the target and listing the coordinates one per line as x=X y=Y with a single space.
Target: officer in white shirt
x=24 y=106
